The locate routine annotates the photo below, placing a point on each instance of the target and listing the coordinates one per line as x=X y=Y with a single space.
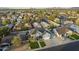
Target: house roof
x=7 y=39
x=36 y=24
x=45 y=20
x=62 y=30
x=41 y=30
x=22 y=32
x=46 y=36
x=38 y=33
x=1 y=25
x=44 y=23
x=23 y=37
x=10 y=25
x=62 y=17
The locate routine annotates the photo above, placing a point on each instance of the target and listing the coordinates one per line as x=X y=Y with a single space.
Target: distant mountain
x=75 y=8
x=14 y=8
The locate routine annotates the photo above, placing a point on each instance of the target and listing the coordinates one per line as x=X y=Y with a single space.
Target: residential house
x=10 y=26
x=38 y=35
x=36 y=25
x=7 y=39
x=74 y=28
x=24 y=36
x=62 y=31
x=44 y=24
x=46 y=35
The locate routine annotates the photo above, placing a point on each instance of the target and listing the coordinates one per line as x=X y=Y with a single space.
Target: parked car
x=1 y=49
x=5 y=46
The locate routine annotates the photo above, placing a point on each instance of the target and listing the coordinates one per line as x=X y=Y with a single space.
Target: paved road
x=73 y=46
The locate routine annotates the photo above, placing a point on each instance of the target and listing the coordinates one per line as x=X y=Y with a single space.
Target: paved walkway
x=48 y=43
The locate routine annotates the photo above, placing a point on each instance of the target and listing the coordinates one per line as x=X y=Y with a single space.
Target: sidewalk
x=21 y=48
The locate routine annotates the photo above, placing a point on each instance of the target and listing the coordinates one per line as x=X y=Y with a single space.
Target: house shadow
x=74 y=46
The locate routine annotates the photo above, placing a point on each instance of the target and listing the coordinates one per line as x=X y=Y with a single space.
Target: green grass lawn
x=33 y=45
x=74 y=37
x=42 y=43
x=71 y=38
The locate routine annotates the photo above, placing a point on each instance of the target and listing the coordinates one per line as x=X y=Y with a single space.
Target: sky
x=39 y=3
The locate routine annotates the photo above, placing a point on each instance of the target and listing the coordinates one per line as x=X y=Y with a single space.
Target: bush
x=16 y=41
x=42 y=43
x=4 y=31
x=5 y=22
x=34 y=44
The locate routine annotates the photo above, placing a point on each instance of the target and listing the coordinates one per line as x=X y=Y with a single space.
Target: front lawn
x=71 y=38
x=34 y=44
x=42 y=43
x=74 y=37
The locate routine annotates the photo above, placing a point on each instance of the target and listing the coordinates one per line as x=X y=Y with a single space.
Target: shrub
x=16 y=41
x=34 y=44
x=42 y=43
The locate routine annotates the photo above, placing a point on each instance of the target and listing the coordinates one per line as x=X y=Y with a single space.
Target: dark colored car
x=5 y=46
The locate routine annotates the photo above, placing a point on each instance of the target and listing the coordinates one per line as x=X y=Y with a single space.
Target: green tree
x=5 y=22
x=77 y=22
x=1 y=33
x=16 y=41
x=0 y=39
x=5 y=30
